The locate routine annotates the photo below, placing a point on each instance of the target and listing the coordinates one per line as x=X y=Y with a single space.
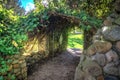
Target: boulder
x=111 y=56
x=118 y=46
x=111 y=33
x=117 y=21
x=80 y=75
x=107 y=23
x=111 y=69
x=100 y=59
x=96 y=38
x=99 y=47
x=101 y=77
x=110 y=18
x=91 y=67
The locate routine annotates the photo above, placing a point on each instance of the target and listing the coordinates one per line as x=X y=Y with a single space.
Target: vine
x=14 y=29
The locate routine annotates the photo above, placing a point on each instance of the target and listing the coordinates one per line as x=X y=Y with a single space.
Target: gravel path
x=61 y=67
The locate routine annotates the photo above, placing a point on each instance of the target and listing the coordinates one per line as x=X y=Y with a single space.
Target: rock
x=107 y=23
x=100 y=59
x=99 y=47
x=113 y=16
x=99 y=32
x=111 y=78
x=110 y=18
x=101 y=77
x=16 y=66
x=111 y=33
x=111 y=56
x=80 y=75
x=117 y=46
x=117 y=21
x=117 y=6
x=96 y=38
x=91 y=67
x=111 y=69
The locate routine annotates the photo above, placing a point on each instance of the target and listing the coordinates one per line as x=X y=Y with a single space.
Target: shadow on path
x=61 y=67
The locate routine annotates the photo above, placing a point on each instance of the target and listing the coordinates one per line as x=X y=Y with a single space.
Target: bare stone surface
x=99 y=47
x=80 y=75
x=91 y=67
x=111 y=69
x=100 y=59
x=101 y=77
x=111 y=56
x=111 y=33
x=118 y=46
x=117 y=21
x=107 y=23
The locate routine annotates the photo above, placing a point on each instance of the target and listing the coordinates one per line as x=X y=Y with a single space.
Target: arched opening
x=75 y=41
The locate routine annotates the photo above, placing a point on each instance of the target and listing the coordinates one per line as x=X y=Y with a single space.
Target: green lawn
x=75 y=41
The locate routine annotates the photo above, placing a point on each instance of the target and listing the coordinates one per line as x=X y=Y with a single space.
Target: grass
x=75 y=41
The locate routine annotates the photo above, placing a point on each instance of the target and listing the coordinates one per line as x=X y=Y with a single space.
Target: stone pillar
x=101 y=61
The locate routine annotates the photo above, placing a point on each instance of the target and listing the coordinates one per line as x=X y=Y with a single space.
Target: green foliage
x=13 y=29
x=14 y=5
x=4 y=69
x=75 y=41
x=98 y=8
x=10 y=36
x=88 y=22
x=10 y=39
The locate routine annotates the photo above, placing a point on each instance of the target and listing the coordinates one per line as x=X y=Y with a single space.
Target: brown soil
x=61 y=67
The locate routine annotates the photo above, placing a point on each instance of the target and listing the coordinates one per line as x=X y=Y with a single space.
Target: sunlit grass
x=75 y=41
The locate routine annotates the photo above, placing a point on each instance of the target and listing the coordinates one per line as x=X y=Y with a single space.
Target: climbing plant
x=14 y=29
x=90 y=13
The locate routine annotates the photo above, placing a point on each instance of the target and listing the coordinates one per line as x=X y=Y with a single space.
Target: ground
x=61 y=67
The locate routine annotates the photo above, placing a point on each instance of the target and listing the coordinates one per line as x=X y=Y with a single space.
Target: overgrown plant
x=13 y=29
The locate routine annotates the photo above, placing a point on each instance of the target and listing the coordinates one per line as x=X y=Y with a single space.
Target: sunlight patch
x=30 y=6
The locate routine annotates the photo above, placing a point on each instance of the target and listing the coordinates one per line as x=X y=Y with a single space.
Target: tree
x=90 y=13
x=14 y=5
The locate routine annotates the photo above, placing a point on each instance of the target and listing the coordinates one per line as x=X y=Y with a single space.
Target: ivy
x=4 y=69
x=13 y=29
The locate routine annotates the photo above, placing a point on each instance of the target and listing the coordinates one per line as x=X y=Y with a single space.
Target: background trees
x=14 y=5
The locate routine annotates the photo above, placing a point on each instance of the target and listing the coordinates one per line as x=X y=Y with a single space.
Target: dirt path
x=61 y=67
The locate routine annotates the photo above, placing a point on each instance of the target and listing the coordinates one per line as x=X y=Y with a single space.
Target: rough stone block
x=16 y=66
x=118 y=46
x=111 y=69
x=16 y=70
x=101 y=77
x=100 y=59
x=111 y=33
x=91 y=67
x=99 y=47
x=111 y=56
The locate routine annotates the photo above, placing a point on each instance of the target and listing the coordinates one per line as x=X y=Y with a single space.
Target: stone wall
x=101 y=61
x=17 y=67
